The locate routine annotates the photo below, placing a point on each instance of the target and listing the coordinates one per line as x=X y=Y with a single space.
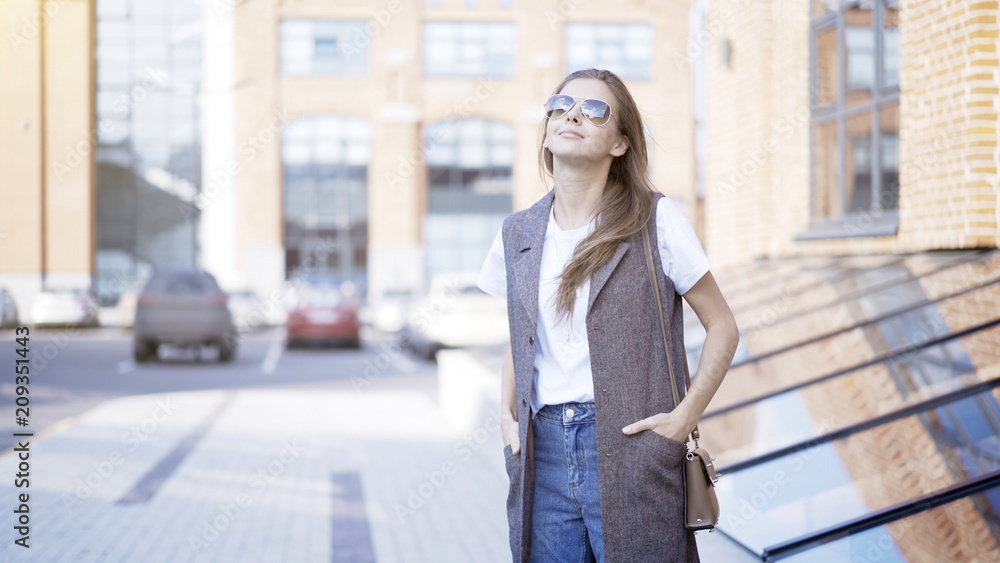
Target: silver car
x=182 y=307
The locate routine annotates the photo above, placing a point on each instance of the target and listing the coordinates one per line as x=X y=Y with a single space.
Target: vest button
x=597 y=327
x=605 y=389
x=524 y=401
x=531 y=340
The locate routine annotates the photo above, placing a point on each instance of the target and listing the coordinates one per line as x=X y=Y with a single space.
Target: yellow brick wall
x=757 y=168
x=48 y=134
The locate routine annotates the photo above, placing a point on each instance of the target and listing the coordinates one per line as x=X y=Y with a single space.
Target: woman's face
x=573 y=138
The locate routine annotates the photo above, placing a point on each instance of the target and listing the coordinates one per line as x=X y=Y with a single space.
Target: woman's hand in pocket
x=668 y=424
x=508 y=426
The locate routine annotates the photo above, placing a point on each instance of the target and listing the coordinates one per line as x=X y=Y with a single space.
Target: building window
x=470 y=49
x=623 y=48
x=337 y=47
x=855 y=118
x=469 y=166
x=325 y=162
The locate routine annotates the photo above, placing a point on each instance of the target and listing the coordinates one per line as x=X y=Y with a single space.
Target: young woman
x=593 y=440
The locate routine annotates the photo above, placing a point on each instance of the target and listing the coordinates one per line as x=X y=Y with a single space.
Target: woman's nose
x=574 y=113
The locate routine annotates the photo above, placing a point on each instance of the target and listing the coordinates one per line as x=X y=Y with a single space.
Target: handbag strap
x=663 y=331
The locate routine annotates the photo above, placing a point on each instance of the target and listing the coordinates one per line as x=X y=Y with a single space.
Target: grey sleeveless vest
x=641 y=476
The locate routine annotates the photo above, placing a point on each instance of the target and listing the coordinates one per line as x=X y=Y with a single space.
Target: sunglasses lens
x=558 y=105
x=597 y=112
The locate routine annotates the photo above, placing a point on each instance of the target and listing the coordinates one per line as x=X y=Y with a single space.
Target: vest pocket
x=512 y=461
x=662 y=444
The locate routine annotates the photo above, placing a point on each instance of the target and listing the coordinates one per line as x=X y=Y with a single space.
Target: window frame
x=879 y=222
x=430 y=73
x=364 y=68
x=651 y=67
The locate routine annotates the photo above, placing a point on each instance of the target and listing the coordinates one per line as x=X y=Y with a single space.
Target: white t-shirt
x=562 y=357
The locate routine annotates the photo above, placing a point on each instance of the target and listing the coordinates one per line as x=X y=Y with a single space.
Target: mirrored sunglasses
x=597 y=112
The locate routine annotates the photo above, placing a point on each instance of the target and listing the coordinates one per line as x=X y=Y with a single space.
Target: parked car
x=389 y=313
x=66 y=307
x=128 y=300
x=243 y=304
x=8 y=309
x=323 y=313
x=183 y=307
x=455 y=314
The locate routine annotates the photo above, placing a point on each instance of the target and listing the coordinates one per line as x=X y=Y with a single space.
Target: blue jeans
x=566 y=511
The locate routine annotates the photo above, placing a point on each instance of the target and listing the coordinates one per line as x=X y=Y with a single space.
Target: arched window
x=325 y=161
x=469 y=164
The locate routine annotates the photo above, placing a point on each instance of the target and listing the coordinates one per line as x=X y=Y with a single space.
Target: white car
x=455 y=314
x=64 y=307
x=8 y=310
x=248 y=315
x=389 y=313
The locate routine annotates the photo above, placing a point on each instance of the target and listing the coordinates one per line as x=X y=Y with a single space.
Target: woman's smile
x=570 y=134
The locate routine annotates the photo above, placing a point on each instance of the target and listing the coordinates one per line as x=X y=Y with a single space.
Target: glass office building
x=148 y=161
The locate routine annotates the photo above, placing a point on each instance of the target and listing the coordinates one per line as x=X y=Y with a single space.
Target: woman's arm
x=508 y=403
x=722 y=337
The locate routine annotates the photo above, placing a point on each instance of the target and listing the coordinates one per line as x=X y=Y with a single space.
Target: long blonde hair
x=627 y=201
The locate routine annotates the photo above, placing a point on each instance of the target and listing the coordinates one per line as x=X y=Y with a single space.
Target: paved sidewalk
x=376 y=474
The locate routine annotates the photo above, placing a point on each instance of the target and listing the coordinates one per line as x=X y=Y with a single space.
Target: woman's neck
x=578 y=193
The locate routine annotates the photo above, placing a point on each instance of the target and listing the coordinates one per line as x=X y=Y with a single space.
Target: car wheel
x=145 y=350
x=226 y=350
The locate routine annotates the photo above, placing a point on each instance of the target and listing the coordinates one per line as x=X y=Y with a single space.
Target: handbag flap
x=706 y=463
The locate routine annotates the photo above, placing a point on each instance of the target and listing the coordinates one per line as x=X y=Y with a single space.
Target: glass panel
x=825 y=171
x=796 y=416
x=890 y=43
x=820 y=306
x=826 y=485
x=851 y=348
x=962 y=530
x=858 y=163
x=859 y=48
x=827 y=67
x=889 y=155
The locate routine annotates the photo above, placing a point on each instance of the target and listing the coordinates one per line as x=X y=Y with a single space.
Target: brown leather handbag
x=701 y=503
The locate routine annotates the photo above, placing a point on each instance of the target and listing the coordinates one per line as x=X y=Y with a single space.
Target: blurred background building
x=839 y=160
x=380 y=142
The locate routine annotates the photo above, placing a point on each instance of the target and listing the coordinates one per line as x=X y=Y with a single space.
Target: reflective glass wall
x=148 y=157
x=860 y=420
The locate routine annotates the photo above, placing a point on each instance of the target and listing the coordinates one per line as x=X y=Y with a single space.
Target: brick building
x=863 y=130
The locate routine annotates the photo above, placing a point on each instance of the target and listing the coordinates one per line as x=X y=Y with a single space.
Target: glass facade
x=338 y=47
x=855 y=100
x=148 y=156
x=866 y=397
x=325 y=162
x=623 y=48
x=469 y=165
x=470 y=49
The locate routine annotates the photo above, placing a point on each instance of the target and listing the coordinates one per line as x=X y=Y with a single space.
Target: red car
x=325 y=315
